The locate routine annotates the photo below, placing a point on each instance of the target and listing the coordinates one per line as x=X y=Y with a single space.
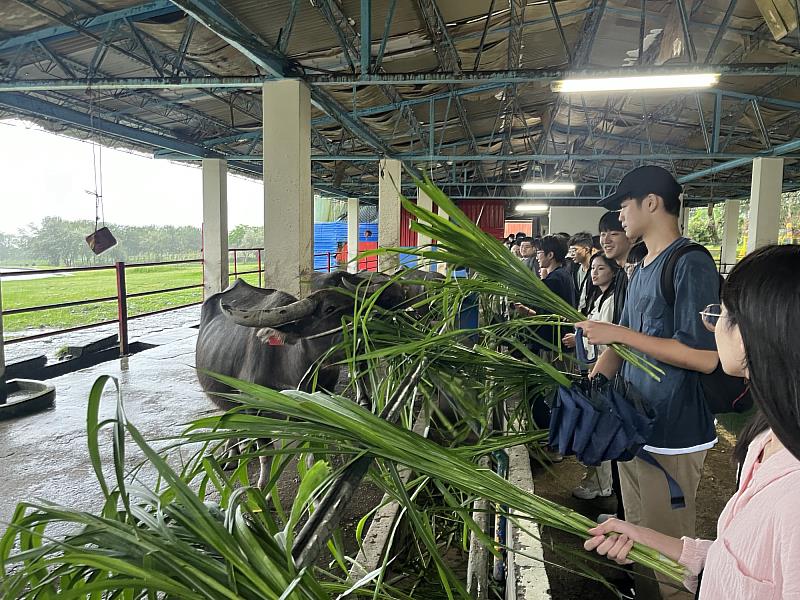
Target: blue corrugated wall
x=327 y=235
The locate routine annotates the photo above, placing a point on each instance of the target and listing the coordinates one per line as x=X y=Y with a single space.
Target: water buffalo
x=271 y=338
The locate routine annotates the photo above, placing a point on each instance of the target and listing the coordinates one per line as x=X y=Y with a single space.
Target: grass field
x=21 y=293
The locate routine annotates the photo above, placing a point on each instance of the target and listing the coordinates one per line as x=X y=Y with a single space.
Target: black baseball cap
x=641 y=181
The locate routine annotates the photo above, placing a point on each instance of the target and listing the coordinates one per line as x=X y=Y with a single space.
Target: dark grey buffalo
x=271 y=338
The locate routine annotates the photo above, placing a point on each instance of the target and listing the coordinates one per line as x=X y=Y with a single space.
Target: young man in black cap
x=673 y=338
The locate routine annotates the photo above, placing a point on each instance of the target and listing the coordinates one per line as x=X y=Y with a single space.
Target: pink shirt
x=757 y=551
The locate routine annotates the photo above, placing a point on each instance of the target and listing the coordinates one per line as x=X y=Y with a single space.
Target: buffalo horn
x=270 y=317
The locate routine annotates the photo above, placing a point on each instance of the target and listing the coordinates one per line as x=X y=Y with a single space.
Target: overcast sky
x=44 y=174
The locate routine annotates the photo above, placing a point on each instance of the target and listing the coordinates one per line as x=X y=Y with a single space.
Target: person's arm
x=608 y=363
x=615 y=538
x=666 y=350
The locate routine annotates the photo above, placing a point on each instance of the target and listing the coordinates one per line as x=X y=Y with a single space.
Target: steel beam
x=221 y=22
x=447 y=55
x=340 y=23
x=774 y=70
x=687 y=36
x=723 y=27
x=560 y=28
x=493 y=80
x=147 y=10
x=426 y=158
x=717 y=122
x=366 y=35
x=781 y=150
x=36 y=107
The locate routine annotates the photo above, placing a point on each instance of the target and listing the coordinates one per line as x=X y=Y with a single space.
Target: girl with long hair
x=599 y=306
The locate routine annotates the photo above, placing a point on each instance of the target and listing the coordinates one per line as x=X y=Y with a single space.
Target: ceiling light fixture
x=540 y=186
x=636 y=84
x=532 y=208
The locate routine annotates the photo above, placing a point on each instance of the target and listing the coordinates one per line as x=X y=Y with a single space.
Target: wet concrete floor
x=44 y=455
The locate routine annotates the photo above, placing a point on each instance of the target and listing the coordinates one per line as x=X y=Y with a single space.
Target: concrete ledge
x=527 y=577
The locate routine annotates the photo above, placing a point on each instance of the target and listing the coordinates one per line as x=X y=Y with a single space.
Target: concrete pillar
x=389 y=212
x=730 y=232
x=685 y=214
x=288 y=197
x=215 y=226
x=765 y=202
x=424 y=201
x=352 y=234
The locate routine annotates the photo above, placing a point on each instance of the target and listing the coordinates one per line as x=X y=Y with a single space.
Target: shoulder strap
x=668 y=272
x=676 y=497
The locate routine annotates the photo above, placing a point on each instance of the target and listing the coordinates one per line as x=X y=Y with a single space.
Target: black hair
x=527 y=239
x=521 y=234
x=610 y=222
x=760 y=296
x=592 y=291
x=582 y=238
x=596 y=243
x=555 y=244
x=672 y=203
x=637 y=253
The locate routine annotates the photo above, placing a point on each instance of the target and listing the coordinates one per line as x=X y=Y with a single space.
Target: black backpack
x=723 y=393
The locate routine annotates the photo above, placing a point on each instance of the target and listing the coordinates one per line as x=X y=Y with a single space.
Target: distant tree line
x=60 y=243
x=706 y=223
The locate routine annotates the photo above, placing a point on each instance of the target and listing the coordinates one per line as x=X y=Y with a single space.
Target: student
x=581 y=249
x=757 y=551
x=673 y=339
x=616 y=246
x=635 y=256
x=551 y=257
x=527 y=250
x=598 y=481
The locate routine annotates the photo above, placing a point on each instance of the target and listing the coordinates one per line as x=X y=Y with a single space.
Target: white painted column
x=730 y=232
x=389 y=212
x=352 y=234
x=424 y=201
x=765 y=202
x=288 y=196
x=215 y=226
x=685 y=214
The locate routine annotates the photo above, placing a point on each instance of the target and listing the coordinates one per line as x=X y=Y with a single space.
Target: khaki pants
x=645 y=494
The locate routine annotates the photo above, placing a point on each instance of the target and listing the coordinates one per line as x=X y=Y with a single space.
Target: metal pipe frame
x=425 y=158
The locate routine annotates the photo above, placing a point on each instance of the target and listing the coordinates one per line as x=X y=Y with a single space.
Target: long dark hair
x=592 y=291
x=762 y=297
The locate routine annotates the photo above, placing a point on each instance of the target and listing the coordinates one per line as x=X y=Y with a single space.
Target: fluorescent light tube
x=633 y=84
x=540 y=186
x=535 y=208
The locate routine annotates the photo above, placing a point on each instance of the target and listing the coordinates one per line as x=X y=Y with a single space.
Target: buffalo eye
x=329 y=309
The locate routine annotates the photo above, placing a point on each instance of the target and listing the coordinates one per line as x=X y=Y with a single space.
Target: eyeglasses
x=711 y=315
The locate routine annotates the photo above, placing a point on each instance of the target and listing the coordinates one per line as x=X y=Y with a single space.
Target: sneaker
x=590 y=492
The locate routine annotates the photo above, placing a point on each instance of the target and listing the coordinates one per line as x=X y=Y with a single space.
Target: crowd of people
x=745 y=326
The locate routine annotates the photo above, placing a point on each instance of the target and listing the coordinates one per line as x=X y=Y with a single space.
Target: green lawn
x=20 y=293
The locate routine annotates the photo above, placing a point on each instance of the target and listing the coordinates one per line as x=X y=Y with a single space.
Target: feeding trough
x=20 y=397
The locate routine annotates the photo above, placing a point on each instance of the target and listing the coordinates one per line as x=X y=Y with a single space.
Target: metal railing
x=331 y=262
x=121 y=298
